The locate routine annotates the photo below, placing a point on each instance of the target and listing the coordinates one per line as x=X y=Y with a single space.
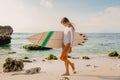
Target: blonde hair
x=66 y=20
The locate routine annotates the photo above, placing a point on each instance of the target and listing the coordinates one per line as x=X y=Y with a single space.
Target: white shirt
x=68 y=36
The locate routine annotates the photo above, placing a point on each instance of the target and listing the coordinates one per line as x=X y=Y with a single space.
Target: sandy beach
x=100 y=67
x=32 y=34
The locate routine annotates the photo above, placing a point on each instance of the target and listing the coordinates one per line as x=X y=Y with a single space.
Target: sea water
x=98 y=43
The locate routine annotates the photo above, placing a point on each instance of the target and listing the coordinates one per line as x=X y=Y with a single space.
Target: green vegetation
x=113 y=54
x=51 y=57
x=85 y=57
x=72 y=57
x=26 y=57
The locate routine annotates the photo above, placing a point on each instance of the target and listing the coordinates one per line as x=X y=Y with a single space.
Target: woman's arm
x=63 y=45
x=72 y=37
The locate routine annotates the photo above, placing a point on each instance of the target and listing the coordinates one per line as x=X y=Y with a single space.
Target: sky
x=88 y=16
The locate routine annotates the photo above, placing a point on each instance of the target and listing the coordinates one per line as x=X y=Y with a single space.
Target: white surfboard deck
x=54 y=39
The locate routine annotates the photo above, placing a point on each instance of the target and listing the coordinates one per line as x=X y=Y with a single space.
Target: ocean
x=98 y=43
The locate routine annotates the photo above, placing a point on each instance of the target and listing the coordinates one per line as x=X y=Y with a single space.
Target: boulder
x=5 y=34
x=35 y=47
x=12 y=65
x=113 y=54
x=33 y=70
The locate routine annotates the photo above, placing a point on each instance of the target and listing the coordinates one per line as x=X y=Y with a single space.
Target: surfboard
x=54 y=39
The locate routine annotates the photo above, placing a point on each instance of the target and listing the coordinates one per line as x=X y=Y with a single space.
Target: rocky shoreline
x=5 y=34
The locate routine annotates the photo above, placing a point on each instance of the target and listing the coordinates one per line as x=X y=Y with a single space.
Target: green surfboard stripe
x=47 y=39
x=40 y=38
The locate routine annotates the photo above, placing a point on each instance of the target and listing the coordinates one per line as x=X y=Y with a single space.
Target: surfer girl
x=67 y=45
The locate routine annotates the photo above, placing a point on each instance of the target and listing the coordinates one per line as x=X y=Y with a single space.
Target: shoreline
x=97 y=68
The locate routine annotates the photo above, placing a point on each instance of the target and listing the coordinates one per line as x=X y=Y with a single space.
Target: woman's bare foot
x=73 y=68
x=65 y=74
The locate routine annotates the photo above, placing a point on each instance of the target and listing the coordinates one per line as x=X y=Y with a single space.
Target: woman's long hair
x=66 y=20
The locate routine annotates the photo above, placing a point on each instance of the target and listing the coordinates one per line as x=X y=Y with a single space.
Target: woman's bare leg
x=67 y=69
x=67 y=62
x=64 y=58
x=72 y=65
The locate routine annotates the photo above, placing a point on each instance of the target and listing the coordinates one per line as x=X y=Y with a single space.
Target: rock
x=33 y=70
x=5 y=34
x=75 y=58
x=12 y=65
x=85 y=57
x=88 y=65
x=51 y=57
x=8 y=60
x=95 y=66
x=35 y=47
x=24 y=60
x=113 y=54
x=43 y=60
x=11 y=52
x=69 y=56
x=25 y=57
x=34 y=60
x=65 y=78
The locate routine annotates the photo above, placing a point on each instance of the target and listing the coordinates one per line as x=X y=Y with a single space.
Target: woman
x=67 y=45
